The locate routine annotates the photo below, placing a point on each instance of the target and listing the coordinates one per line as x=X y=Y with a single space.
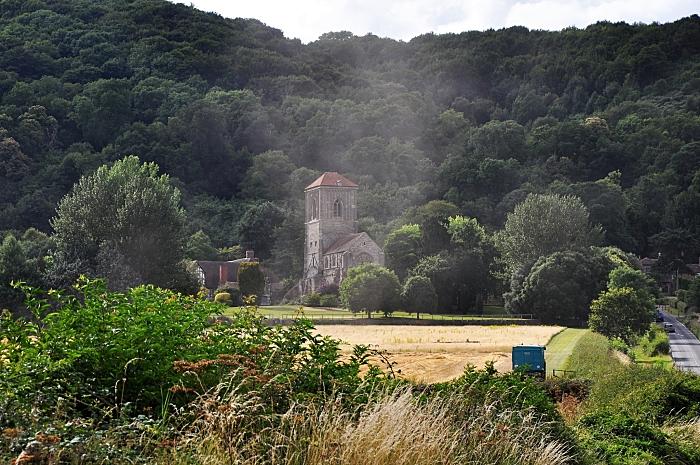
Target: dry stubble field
x=438 y=353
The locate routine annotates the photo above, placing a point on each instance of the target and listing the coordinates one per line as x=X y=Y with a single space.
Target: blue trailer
x=530 y=359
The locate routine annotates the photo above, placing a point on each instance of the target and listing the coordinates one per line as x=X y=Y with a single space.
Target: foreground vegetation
x=634 y=414
x=150 y=376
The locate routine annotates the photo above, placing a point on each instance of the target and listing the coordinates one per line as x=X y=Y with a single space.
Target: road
x=685 y=347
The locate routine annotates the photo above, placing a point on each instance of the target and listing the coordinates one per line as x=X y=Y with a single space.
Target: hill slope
x=241 y=115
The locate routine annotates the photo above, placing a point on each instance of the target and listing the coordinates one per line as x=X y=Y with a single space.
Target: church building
x=332 y=242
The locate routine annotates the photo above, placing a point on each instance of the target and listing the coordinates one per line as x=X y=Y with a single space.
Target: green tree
x=560 y=287
x=418 y=295
x=102 y=110
x=251 y=280
x=693 y=295
x=230 y=253
x=432 y=219
x=256 y=228
x=438 y=269
x=370 y=288
x=622 y=312
x=135 y=211
x=403 y=249
x=269 y=176
x=467 y=232
x=544 y=224
x=626 y=276
x=472 y=259
x=500 y=140
x=199 y=247
x=13 y=267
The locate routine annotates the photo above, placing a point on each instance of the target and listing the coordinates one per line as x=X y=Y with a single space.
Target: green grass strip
x=560 y=347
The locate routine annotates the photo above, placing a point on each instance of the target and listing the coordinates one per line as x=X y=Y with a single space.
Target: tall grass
x=592 y=357
x=399 y=428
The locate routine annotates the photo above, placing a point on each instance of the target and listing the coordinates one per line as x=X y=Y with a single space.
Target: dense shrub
x=418 y=295
x=312 y=299
x=235 y=294
x=251 y=279
x=623 y=440
x=223 y=298
x=329 y=288
x=328 y=300
x=558 y=388
x=97 y=344
x=654 y=342
x=514 y=389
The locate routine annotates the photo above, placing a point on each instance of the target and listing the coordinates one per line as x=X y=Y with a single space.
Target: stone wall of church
x=312 y=247
x=364 y=251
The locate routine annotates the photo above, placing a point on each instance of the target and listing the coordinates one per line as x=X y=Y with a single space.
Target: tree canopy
x=131 y=211
x=544 y=224
x=370 y=288
x=470 y=124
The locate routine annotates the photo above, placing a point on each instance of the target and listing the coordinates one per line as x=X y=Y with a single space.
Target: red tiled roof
x=331 y=178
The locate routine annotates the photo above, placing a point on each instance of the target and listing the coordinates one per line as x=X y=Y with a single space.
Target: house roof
x=331 y=179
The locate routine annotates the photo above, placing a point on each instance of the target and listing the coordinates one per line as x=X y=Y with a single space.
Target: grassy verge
x=635 y=414
x=653 y=349
x=561 y=346
x=591 y=357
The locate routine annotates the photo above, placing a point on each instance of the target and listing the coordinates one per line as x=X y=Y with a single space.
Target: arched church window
x=337 y=208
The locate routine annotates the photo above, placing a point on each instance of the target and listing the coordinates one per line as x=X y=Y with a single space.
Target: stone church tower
x=332 y=242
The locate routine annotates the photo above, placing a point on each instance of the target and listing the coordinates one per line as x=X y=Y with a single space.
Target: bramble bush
x=100 y=353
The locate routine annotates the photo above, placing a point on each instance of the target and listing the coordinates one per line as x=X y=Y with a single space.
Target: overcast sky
x=404 y=19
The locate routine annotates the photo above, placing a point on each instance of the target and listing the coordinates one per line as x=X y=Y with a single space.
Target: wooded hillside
x=244 y=118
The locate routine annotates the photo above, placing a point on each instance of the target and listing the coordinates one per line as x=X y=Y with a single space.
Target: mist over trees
x=241 y=119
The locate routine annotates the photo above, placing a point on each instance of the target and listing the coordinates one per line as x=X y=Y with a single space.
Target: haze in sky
x=405 y=19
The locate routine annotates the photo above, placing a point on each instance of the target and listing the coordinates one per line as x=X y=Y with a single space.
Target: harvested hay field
x=431 y=354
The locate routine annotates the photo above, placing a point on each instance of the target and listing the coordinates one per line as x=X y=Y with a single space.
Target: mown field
x=439 y=353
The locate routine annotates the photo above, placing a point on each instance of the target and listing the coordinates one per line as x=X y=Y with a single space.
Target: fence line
x=426 y=316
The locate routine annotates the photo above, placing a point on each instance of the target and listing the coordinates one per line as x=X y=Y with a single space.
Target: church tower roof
x=331 y=179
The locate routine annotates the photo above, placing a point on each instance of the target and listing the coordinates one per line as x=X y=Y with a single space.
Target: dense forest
x=242 y=118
